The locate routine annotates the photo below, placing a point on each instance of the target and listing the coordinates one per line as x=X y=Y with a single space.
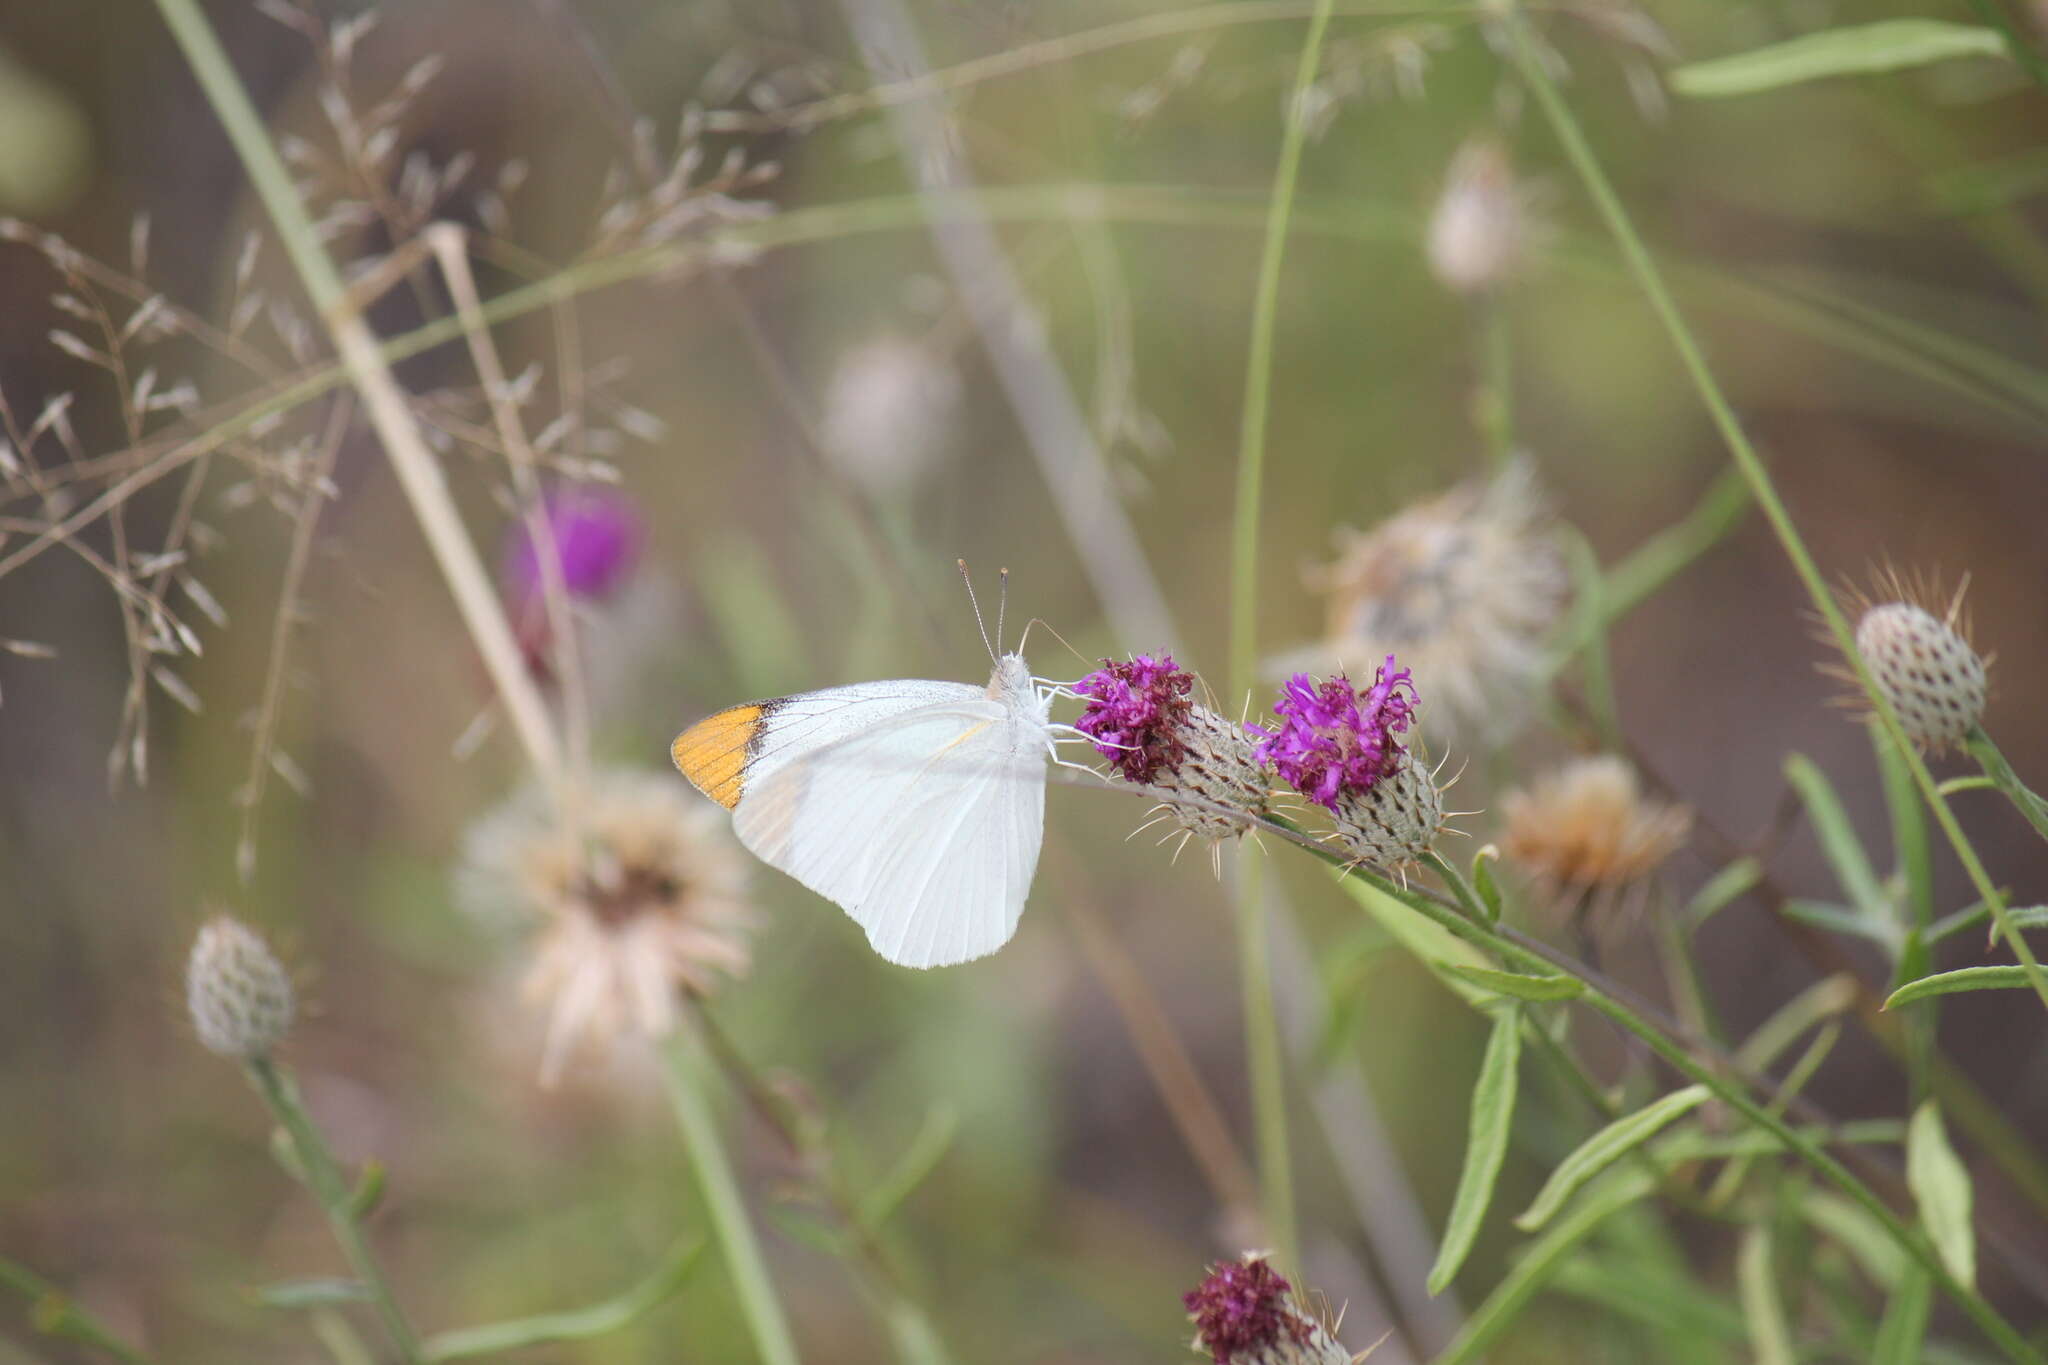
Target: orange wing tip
x=713 y=752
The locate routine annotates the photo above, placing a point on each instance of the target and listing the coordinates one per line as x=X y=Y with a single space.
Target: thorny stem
x=2000 y=774
x=324 y=1178
x=728 y=1213
x=1261 y=1024
x=1651 y=282
x=363 y=360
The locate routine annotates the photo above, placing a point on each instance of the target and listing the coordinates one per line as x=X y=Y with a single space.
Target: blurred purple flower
x=597 y=533
x=1334 y=741
x=1242 y=1312
x=1134 y=711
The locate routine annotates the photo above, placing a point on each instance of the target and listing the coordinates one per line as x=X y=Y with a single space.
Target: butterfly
x=917 y=806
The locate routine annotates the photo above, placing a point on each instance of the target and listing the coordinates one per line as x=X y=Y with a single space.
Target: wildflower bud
x=237 y=991
x=1926 y=668
x=1143 y=720
x=596 y=533
x=1340 y=748
x=1479 y=230
x=1245 y=1314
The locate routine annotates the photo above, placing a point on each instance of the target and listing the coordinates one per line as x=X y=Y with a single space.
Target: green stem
x=323 y=1177
x=1651 y=281
x=1263 y=1054
x=2015 y=41
x=1496 y=397
x=758 y=1302
x=54 y=1314
x=2000 y=774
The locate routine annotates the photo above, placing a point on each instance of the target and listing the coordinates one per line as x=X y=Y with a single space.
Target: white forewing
x=923 y=821
x=793 y=726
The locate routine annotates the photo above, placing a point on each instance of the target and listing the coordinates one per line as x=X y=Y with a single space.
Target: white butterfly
x=917 y=806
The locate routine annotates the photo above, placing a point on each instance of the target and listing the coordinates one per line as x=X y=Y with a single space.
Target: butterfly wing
x=924 y=825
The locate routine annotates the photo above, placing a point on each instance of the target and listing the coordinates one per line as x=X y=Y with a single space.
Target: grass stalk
x=759 y=1304
x=1263 y=1054
x=1651 y=281
x=323 y=1177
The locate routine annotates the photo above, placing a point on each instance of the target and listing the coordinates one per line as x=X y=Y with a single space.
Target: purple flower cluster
x=1134 y=712
x=1241 y=1309
x=1332 y=740
x=597 y=536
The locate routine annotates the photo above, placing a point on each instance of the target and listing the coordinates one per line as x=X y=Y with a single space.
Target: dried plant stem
x=759 y=1304
x=362 y=359
x=1262 y=1028
x=323 y=1177
x=1651 y=281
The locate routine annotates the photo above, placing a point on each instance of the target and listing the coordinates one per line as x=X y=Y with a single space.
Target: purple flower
x=596 y=533
x=1333 y=741
x=1134 y=712
x=1241 y=1311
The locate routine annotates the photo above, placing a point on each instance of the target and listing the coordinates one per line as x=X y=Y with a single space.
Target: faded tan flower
x=639 y=895
x=1587 y=828
x=1484 y=224
x=1463 y=587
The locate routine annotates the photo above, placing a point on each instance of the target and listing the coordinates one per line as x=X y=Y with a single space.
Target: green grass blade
x=1756 y=1285
x=1955 y=982
x=1853 y=50
x=1941 y=1187
x=1904 y=1329
x=575 y=1325
x=1486 y=1145
x=1838 y=840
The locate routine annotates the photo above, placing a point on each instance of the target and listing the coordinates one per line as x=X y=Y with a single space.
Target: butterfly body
x=917 y=806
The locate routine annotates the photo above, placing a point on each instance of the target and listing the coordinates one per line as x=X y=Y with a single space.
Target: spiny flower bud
x=1142 y=720
x=1246 y=1314
x=237 y=991
x=1926 y=668
x=1395 y=821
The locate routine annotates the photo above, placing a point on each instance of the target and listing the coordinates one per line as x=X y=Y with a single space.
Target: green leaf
x=1904 y=1329
x=1605 y=1147
x=1839 y=842
x=1909 y=829
x=1518 y=984
x=1854 y=50
x=1436 y=946
x=312 y=1293
x=1756 y=1285
x=1722 y=889
x=369 y=1190
x=1941 y=1187
x=575 y=1325
x=1962 y=979
x=1840 y=919
x=1821 y=1001
x=1486 y=1144
x=1540 y=1261
x=1685 y=1144
x=1483 y=882
x=1684 y=1315
x=1850 y=1226
x=2021 y=916
x=934 y=1139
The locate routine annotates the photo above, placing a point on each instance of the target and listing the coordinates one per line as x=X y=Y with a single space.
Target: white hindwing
x=925 y=826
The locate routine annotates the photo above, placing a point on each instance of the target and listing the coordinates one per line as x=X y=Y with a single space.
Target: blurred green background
x=1068 y=1216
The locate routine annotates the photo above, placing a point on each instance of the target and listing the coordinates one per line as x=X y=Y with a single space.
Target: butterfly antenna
x=1037 y=621
x=972 y=602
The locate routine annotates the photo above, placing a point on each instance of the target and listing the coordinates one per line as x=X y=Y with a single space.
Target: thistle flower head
x=1921 y=659
x=1333 y=741
x=597 y=534
x=238 y=994
x=1135 y=713
x=1246 y=1314
x=1464 y=588
x=638 y=894
x=1587 y=827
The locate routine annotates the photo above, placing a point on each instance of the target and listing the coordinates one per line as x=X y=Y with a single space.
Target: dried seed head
x=1396 y=820
x=1926 y=669
x=1587 y=827
x=1246 y=1314
x=238 y=994
x=1482 y=227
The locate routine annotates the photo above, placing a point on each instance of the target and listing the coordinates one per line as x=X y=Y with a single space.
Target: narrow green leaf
x=369 y=1190
x=1904 y=1329
x=1681 y=1311
x=1605 y=1147
x=1483 y=882
x=1850 y=1226
x=1518 y=984
x=1486 y=1143
x=1821 y=1001
x=2022 y=917
x=1540 y=1261
x=1853 y=50
x=1756 y=1285
x=1840 y=919
x=1434 y=945
x=1962 y=979
x=312 y=1293
x=1909 y=829
x=1838 y=840
x=1722 y=889
x=1941 y=1187
x=934 y=1139
x=575 y=1325
x=1687 y=1143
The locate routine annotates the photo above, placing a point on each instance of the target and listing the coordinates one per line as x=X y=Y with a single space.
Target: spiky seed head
x=1925 y=667
x=1218 y=767
x=1396 y=820
x=1246 y=1314
x=237 y=991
